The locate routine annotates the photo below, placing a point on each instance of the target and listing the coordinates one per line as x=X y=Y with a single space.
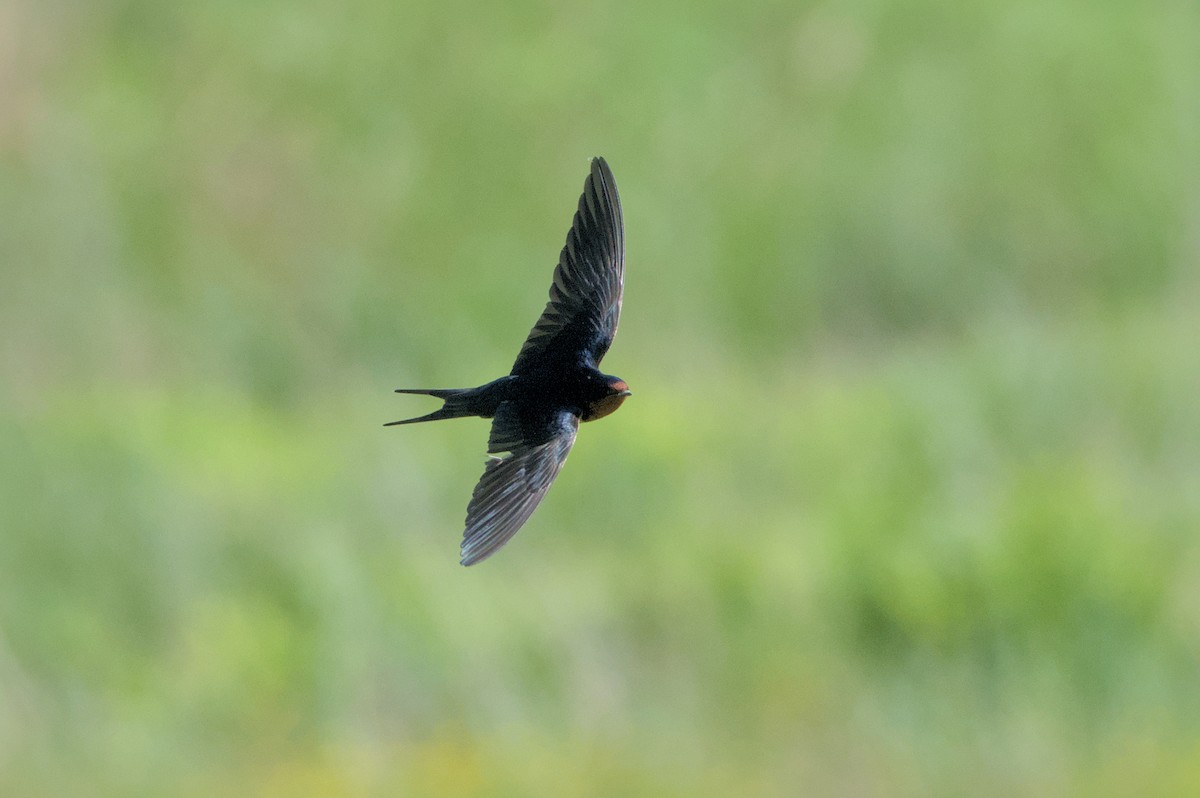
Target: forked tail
x=451 y=408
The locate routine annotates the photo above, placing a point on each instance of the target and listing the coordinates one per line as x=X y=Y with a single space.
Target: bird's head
x=613 y=392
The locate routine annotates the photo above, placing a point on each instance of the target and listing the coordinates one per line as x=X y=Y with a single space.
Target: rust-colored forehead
x=618 y=385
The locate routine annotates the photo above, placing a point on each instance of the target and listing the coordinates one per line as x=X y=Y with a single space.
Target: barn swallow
x=554 y=383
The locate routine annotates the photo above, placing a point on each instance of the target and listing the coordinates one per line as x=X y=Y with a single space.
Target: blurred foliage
x=906 y=501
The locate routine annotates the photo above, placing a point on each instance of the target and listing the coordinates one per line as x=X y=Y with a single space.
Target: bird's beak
x=625 y=392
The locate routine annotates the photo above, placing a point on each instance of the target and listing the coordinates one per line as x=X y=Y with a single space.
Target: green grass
x=906 y=501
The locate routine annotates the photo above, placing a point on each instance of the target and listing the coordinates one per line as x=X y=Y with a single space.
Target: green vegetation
x=906 y=502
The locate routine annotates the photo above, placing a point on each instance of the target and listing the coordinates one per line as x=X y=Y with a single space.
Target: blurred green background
x=906 y=501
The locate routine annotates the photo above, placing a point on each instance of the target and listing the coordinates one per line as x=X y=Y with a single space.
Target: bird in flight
x=555 y=382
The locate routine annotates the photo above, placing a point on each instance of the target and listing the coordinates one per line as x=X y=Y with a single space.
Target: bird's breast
x=602 y=407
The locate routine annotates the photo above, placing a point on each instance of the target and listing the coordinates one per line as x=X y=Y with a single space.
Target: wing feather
x=516 y=481
x=585 y=295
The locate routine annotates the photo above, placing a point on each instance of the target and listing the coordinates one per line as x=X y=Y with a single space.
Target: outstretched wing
x=585 y=297
x=513 y=484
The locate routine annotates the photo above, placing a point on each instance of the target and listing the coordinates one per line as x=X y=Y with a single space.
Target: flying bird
x=555 y=382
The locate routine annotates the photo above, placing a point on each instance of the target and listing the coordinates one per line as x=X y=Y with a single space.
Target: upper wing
x=585 y=297
x=512 y=486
